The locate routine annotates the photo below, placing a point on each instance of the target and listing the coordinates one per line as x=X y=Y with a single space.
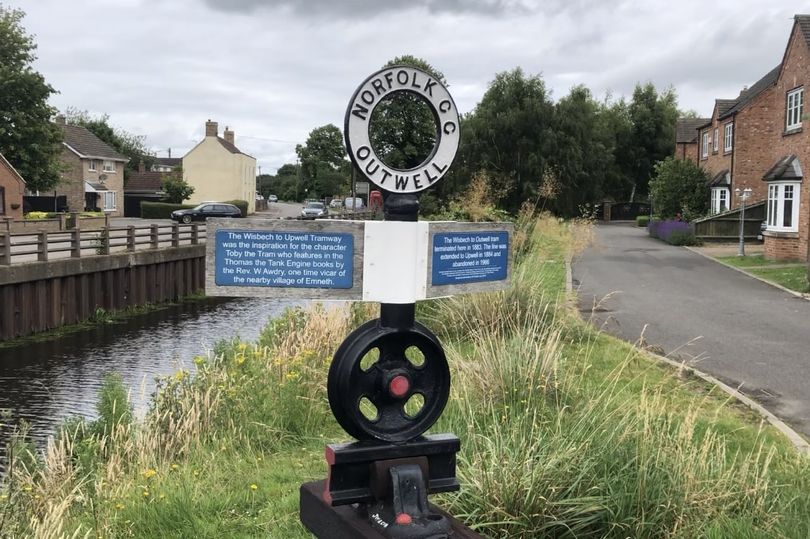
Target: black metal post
x=399 y=207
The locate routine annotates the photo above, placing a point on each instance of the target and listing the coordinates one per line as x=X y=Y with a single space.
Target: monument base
x=351 y=521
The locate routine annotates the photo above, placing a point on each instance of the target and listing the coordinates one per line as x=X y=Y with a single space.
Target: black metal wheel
x=388 y=384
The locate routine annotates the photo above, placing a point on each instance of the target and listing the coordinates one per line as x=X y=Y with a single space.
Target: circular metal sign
x=369 y=95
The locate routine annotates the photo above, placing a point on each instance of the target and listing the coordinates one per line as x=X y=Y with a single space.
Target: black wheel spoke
x=348 y=383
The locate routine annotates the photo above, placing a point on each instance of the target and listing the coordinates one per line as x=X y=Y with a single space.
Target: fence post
x=63 y=221
x=175 y=235
x=154 y=236
x=104 y=240
x=106 y=220
x=130 y=238
x=75 y=243
x=74 y=217
x=8 y=221
x=195 y=234
x=42 y=246
x=5 y=252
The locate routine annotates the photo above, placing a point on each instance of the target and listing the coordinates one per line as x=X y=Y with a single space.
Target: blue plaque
x=469 y=257
x=284 y=259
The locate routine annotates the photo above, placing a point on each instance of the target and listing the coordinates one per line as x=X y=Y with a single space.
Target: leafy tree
x=176 y=188
x=28 y=139
x=324 y=167
x=284 y=184
x=132 y=146
x=583 y=152
x=509 y=136
x=653 y=118
x=679 y=187
x=402 y=127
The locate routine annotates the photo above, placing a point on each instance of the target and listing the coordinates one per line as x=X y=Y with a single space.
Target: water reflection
x=47 y=381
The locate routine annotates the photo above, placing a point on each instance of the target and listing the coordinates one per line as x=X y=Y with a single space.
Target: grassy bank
x=790 y=275
x=565 y=432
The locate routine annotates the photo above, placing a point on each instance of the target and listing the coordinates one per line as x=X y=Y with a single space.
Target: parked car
x=272 y=198
x=336 y=203
x=206 y=210
x=314 y=209
x=354 y=203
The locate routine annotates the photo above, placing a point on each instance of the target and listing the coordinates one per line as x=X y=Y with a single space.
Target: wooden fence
x=42 y=245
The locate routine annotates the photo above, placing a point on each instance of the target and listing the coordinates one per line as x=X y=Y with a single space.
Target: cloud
x=355 y=8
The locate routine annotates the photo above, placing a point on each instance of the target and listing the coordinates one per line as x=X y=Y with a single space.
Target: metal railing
x=42 y=246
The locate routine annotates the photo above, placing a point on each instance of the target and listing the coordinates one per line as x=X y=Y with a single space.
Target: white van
x=353 y=203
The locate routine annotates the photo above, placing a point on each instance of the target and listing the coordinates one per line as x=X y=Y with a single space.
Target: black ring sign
x=374 y=89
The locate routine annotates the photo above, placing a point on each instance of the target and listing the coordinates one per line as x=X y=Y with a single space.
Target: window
x=2 y=200
x=704 y=150
x=795 y=103
x=728 y=137
x=783 y=207
x=720 y=198
x=109 y=200
x=109 y=166
x=716 y=140
x=92 y=166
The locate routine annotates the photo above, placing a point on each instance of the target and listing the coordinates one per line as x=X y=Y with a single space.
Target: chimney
x=141 y=166
x=60 y=119
x=211 y=129
x=228 y=135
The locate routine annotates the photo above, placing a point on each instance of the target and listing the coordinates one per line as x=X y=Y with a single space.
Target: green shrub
x=681 y=237
x=161 y=210
x=642 y=220
x=241 y=204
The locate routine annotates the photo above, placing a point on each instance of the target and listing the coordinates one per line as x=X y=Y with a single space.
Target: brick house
x=788 y=217
x=143 y=185
x=686 y=138
x=714 y=155
x=12 y=189
x=93 y=175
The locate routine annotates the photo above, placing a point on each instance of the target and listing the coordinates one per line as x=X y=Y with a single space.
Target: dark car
x=206 y=210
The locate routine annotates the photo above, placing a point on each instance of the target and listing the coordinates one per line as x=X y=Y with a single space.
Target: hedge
x=241 y=204
x=642 y=220
x=161 y=210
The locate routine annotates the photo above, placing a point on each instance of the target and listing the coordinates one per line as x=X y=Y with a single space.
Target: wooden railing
x=42 y=246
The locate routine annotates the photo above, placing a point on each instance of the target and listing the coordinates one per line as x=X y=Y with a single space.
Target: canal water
x=48 y=381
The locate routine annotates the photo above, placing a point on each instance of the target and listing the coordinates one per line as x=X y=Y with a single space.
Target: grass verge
x=791 y=276
x=565 y=432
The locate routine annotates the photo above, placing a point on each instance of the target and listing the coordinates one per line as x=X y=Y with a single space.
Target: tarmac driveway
x=742 y=331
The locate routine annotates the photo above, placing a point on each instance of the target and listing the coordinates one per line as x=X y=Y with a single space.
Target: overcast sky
x=273 y=70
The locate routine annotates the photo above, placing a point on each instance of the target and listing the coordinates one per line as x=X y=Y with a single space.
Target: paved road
x=742 y=331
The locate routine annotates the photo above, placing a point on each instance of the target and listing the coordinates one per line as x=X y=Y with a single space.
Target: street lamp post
x=743 y=195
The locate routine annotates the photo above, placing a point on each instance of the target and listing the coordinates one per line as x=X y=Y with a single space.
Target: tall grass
x=565 y=433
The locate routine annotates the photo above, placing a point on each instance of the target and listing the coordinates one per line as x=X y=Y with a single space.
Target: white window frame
x=109 y=166
x=794 y=108
x=716 y=140
x=777 y=197
x=107 y=195
x=704 y=152
x=728 y=137
x=720 y=199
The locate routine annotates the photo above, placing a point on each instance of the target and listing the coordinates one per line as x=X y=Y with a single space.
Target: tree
x=125 y=143
x=653 y=118
x=28 y=138
x=679 y=187
x=402 y=128
x=176 y=188
x=324 y=167
x=284 y=184
x=583 y=152
x=509 y=136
